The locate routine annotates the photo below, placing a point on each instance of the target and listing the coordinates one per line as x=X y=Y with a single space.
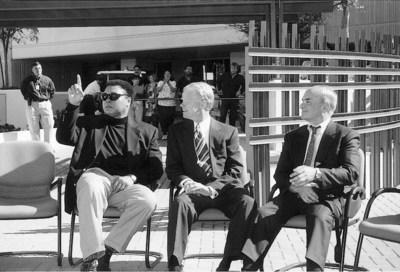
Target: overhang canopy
x=48 y=13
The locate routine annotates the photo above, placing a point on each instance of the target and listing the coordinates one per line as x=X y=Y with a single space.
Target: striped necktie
x=203 y=154
x=310 y=150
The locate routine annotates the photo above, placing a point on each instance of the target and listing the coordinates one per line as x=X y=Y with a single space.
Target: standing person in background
x=96 y=86
x=139 y=73
x=186 y=79
x=150 y=115
x=166 y=89
x=138 y=103
x=37 y=90
x=91 y=103
x=231 y=86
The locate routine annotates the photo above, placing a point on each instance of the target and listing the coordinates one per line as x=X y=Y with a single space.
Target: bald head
x=327 y=95
x=318 y=104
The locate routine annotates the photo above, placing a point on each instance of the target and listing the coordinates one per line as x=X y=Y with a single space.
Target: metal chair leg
x=158 y=256
x=147 y=253
x=59 y=220
x=344 y=241
x=341 y=265
x=71 y=242
x=358 y=251
x=60 y=255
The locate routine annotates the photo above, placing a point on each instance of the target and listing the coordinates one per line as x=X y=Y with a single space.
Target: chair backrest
x=355 y=204
x=245 y=176
x=26 y=169
x=361 y=178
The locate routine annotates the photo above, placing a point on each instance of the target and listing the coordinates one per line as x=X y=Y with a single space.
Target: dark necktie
x=203 y=154
x=310 y=149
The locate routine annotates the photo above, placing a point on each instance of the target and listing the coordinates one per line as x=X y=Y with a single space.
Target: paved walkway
x=289 y=246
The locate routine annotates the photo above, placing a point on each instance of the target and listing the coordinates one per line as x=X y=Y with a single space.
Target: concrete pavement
x=289 y=246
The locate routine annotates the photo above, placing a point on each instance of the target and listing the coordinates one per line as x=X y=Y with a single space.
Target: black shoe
x=173 y=264
x=91 y=262
x=312 y=266
x=104 y=261
x=175 y=267
x=224 y=265
x=249 y=265
x=104 y=264
x=90 y=265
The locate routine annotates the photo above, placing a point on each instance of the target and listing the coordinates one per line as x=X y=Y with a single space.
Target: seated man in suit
x=204 y=162
x=112 y=161
x=316 y=162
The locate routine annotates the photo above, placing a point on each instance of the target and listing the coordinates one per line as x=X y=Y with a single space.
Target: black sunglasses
x=112 y=96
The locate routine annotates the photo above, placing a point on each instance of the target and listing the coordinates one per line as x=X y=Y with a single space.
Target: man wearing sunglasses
x=114 y=158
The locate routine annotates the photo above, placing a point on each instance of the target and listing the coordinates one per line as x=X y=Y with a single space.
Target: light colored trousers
x=40 y=112
x=94 y=195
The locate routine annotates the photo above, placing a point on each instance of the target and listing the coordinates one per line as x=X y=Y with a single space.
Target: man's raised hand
x=75 y=92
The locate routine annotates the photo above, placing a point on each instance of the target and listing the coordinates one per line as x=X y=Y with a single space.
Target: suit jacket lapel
x=214 y=133
x=132 y=139
x=99 y=135
x=187 y=137
x=301 y=146
x=326 y=141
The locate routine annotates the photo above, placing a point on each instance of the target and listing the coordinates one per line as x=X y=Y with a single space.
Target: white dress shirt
x=204 y=127
x=318 y=137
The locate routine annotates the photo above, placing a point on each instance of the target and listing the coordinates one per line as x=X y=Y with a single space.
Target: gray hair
x=328 y=96
x=205 y=92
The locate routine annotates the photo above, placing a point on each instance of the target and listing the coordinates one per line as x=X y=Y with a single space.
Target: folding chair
x=111 y=213
x=386 y=227
x=354 y=197
x=26 y=179
x=215 y=215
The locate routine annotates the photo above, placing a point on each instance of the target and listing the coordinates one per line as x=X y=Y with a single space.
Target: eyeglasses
x=112 y=96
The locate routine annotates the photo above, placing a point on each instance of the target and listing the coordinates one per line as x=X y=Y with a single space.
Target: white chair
x=26 y=178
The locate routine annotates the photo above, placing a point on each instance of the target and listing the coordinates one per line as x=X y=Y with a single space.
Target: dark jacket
x=224 y=153
x=230 y=86
x=44 y=91
x=337 y=158
x=87 y=133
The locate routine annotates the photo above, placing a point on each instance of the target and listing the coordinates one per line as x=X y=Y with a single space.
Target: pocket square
x=318 y=164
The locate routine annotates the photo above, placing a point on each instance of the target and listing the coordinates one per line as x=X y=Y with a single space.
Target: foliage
x=344 y=4
x=304 y=25
x=305 y=22
x=8 y=127
x=242 y=27
x=17 y=35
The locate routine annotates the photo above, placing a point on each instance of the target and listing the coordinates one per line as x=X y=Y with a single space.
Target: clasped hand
x=121 y=182
x=193 y=187
x=302 y=183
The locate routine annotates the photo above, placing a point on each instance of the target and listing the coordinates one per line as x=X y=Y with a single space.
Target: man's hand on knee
x=121 y=182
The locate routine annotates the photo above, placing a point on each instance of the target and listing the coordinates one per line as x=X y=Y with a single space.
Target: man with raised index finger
x=114 y=158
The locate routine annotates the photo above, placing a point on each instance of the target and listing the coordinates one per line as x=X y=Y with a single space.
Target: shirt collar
x=323 y=126
x=115 y=121
x=203 y=124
